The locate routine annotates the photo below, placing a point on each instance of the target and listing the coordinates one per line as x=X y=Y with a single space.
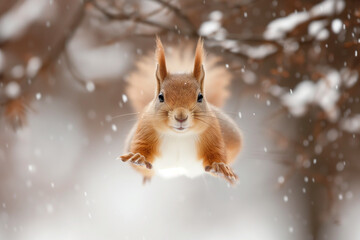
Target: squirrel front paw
x=222 y=170
x=137 y=159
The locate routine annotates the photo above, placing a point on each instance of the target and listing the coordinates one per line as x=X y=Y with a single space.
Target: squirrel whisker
x=124 y=115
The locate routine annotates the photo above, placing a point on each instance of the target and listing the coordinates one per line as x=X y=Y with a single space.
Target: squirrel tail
x=141 y=82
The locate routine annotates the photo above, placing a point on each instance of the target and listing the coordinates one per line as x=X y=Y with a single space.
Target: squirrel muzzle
x=180 y=120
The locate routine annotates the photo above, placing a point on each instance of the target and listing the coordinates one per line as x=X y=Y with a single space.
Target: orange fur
x=198 y=71
x=140 y=82
x=211 y=145
x=218 y=140
x=145 y=141
x=161 y=70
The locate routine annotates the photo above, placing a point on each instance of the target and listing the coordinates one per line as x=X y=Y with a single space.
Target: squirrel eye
x=161 y=97
x=200 y=97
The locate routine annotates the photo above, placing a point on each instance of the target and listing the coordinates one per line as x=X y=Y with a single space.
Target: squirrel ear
x=199 y=72
x=161 y=71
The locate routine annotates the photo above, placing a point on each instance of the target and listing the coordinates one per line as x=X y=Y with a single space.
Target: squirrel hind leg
x=146 y=180
x=146 y=173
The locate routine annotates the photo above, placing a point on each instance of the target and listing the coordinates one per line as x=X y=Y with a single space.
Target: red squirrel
x=179 y=132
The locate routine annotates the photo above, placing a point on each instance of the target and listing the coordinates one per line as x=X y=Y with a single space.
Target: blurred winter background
x=63 y=120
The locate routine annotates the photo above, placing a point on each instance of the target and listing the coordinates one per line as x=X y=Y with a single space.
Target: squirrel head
x=180 y=104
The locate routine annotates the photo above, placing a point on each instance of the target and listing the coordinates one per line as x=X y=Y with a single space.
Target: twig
x=185 y=19
x=132 y=17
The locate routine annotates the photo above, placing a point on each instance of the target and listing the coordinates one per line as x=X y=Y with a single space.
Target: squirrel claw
x=137 y=159
x=223 y=170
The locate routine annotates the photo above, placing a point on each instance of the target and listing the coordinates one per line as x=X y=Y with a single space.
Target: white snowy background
x=59 y=177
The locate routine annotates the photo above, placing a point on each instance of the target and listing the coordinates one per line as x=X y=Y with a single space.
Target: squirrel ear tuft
x=161 y=71
x=199 y=72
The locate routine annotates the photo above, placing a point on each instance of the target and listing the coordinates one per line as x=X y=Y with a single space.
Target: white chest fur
x=178 y=156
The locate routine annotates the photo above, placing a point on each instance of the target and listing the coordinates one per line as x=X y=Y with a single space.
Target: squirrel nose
x=181 y=119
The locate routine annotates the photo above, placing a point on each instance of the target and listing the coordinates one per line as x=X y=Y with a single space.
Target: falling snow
x=289 y=79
